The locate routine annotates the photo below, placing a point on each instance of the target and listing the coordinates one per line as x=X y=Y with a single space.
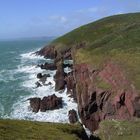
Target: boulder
x=48 y=66
x=50 y=103
x=39 y=75
x=42 y=78
x=35 y=104
x=73 y=118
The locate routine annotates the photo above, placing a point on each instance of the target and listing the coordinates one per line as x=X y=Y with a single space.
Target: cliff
x=106 y=70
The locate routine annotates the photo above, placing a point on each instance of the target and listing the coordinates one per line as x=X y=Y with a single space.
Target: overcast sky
x=35 y=18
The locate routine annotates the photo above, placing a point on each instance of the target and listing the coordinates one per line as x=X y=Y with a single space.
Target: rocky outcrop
x=42 y=78
x=73 y=118
x=97 y=103
x=47 y=66
x=71 y=85
x=48 y=52
x=50 y=103
x=60 y=78
x=67 y=54
x=47 y=103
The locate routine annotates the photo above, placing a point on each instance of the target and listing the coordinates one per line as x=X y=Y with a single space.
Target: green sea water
x=11 y=59
x=18 y=75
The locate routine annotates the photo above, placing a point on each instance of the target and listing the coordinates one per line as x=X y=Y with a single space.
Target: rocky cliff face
x=97 y=101
x=101 y=94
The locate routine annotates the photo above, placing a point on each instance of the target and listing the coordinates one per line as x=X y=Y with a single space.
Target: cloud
x=61 y=19
x=93 y=9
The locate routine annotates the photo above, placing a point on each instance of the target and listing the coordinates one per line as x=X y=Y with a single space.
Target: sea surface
x=18 y=70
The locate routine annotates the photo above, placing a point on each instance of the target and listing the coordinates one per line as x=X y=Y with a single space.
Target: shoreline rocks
x=42 y=78
x=73 y=118
x=48 y=66
x=51 y=102
x=35 y=104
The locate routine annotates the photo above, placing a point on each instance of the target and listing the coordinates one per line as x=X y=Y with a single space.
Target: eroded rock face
x=73 y=118
x=96 y=104
x=60 y=78
x=71 y=85
x=47 y=103
x=48 y=52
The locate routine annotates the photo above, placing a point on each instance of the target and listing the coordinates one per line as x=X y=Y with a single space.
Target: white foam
x=21 y=109
x=31 y=55
x=33 y=69
x=67 y=70
x=7 y=75
x=68 y=62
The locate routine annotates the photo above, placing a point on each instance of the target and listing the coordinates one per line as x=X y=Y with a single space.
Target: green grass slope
x=115 y=38
x=120 y=130
x=26 y=130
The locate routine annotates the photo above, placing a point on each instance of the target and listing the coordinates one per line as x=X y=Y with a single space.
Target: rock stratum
x=105 y=77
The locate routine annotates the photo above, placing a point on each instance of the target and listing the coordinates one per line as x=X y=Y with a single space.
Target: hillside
x=115 y=37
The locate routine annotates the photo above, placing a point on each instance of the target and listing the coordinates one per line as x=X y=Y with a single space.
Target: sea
x=18 y=75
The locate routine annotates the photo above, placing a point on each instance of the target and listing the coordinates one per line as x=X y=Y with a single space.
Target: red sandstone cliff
x=120 y=101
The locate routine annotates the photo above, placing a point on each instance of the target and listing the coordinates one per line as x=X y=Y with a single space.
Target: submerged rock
x=48 y=84
x=42 y=78
x=38 y=84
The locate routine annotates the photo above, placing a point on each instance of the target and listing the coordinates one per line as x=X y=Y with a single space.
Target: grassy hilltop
x=115 y=38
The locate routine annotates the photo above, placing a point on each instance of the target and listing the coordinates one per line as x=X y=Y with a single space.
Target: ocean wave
x=31 y=55
x=21 y=109
x=7 y=75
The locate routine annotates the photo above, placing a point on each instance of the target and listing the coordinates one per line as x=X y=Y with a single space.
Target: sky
x=37 y=18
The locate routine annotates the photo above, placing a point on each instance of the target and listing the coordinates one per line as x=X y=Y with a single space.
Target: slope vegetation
x=115 y=38
x=26 y=130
